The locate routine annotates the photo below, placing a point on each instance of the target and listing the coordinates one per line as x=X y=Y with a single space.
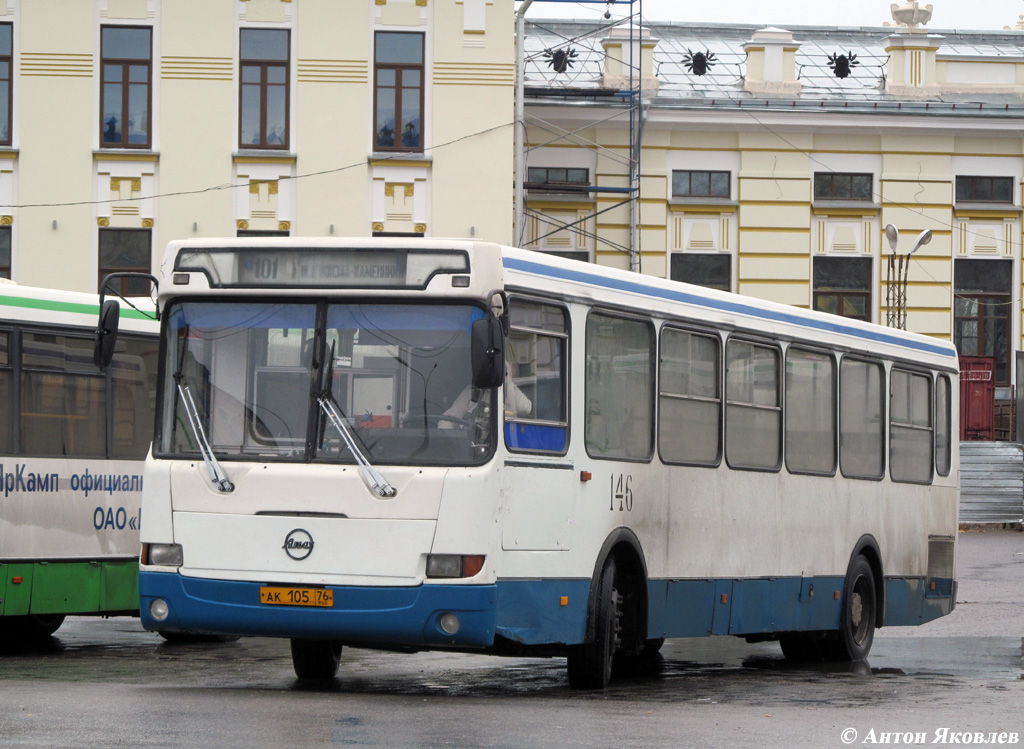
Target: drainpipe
x=519 y=155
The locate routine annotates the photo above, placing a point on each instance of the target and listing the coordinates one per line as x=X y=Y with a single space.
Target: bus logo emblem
x=298 y=544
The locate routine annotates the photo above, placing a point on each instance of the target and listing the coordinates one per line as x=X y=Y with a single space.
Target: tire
x=857 y=621
x=315 y=660
x=33 y=627
x=590 y=664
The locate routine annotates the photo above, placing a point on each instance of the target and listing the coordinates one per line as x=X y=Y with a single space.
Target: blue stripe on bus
x=530 y=612
x=723 y=305
x=535 y=437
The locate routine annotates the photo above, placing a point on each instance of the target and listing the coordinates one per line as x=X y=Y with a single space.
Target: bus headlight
x=164 y=555
x=454 y=565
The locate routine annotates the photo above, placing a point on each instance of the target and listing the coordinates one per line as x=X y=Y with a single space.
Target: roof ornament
x=843 y=65
x=699 y=63
x=561 y=60
x=911 y=14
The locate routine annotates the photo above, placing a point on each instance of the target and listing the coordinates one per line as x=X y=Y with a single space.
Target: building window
x=711 y=271
x=984 y=189
x=261 y=233
x=6 y=67
x=842 y=286
x=125 y=251
x=398 y=85
x=842 y=186
x=5 y=252
x=127 y=86
x=558 y=180
x=698 y=184
x=263 y=122
x=981 y=311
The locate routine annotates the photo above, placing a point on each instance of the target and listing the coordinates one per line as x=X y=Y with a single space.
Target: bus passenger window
x=810 y=412
x=910 y=427
x=861 y=419
x=536 y=412
x=690 y=427
x=753 y=412
x=619 y=388
x=943 y=420
x=6 y=376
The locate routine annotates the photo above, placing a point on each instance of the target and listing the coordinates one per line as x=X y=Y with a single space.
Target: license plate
x=297 y=597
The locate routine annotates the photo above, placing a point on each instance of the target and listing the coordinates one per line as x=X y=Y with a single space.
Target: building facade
x=772 y=160
x=130 y=123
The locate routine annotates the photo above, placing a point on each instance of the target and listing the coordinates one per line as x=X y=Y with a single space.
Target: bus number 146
x=622 y=493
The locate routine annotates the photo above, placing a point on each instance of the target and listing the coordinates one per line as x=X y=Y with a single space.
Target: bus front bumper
x=408 y=616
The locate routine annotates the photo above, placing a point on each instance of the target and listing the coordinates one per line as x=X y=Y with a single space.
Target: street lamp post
x=896 y=283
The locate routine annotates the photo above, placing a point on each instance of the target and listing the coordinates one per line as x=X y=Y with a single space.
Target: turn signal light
x=454 y=565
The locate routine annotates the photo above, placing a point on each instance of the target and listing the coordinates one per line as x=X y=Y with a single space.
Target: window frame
x=264 y=84
x=103 y=271
x=547 y=186
x=126 y=64
x=973 y=180
x=652 y=410
x=566 y=375
x=832 y=176
x=399 y=69
x=883 y=417
x=9 y=104
x=683 y=256
x=983 y=299
x=842 y=294
x=710 y=194
x=830 y=355
x=660 y=395
x=779 y=408
x=943 y=469
x=910 y=426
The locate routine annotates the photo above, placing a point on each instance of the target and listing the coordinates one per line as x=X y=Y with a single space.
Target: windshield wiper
x=330 y=407
x=370 y=475
x=217 y=475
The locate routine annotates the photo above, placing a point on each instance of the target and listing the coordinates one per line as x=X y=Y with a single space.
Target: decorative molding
x=115 y=183
x=6 y=220
x=284 y=225
x=420 y=228
x=177 y=67
x=254 y=186
x=242 y=224
x=58 y=64
x=103 y=221
x=465 y=74
x=147 y=223
x=377 y=226
x=389 y=188
x=333 y=71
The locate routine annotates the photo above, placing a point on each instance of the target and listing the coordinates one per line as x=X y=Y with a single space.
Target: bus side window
x=6 y=377
x=861 y=419
x=910 y=427
x=690 y=400
x=753 y=412
x=619 y=387
x=536 y=355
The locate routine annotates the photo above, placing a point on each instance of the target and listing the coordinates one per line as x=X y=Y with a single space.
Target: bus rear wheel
x=857 y=621
x=30 y=627
x=590 y=664
x=315 y=660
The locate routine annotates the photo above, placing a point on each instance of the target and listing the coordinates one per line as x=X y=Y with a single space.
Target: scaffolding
x=630 y=97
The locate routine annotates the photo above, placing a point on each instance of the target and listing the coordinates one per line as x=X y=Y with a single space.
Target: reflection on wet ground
x=719 y=669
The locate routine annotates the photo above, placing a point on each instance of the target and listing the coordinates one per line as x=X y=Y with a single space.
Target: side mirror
x=487 y=353
x=106 y=333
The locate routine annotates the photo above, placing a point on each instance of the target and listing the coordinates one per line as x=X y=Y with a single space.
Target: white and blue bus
x=449 y=444
x=73 y=438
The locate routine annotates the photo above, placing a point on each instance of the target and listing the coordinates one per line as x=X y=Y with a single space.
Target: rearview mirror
x=106 y=333
x=487 y=353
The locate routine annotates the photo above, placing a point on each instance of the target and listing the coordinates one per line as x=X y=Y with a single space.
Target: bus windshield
x=398 y=375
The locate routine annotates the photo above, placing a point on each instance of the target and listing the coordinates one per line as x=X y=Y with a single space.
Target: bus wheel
x=590 y=664
x=315 y=659
x=857 y=621
x=32 y=626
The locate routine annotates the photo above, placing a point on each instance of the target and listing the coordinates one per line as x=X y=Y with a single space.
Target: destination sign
x=251 y=267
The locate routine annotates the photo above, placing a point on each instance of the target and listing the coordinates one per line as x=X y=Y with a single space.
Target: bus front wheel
x=857 y=621
x=590 y=664
x=315 y=659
